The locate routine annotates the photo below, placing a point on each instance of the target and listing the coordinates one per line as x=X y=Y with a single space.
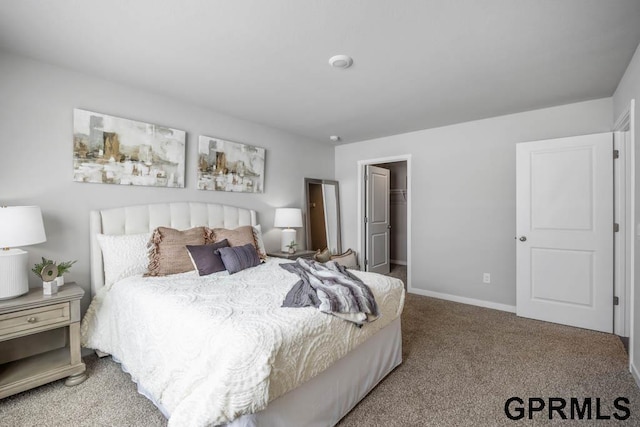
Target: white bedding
x=209 y=349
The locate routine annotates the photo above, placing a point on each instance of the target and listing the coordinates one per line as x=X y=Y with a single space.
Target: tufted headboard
x=145 y=218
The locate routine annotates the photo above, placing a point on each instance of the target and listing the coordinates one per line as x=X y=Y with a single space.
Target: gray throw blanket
x=332 y=289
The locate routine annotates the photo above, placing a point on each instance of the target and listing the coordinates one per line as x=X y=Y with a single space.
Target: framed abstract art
x=230 y=166
x=113 y=150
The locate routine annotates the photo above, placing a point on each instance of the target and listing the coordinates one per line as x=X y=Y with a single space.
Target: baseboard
x=464 y=300
x=396 y=261
x=634 y=373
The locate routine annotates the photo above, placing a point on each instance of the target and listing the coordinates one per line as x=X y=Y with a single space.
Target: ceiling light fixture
x=334 y=138
x=340 y=61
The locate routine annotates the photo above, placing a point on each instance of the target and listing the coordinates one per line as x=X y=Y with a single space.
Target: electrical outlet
x=486 y=278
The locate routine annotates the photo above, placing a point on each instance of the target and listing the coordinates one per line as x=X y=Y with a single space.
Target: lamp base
x=288 y=236
x=13 y=273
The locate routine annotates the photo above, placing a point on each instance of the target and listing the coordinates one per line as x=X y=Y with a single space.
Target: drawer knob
x=32 y=320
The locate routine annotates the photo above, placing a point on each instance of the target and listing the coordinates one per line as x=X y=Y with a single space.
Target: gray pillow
x=238 y=258
x=205 y=259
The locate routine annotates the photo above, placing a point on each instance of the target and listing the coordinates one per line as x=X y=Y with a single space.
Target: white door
x=565 y=231
x=377 y=222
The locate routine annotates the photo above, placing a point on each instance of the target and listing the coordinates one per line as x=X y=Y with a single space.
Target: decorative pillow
x=236 y=237
x=239 y=258
x=347 y=259
x=123 y=255
x=322 y=256
x=167 y=250
x=257 y=236
x=205 y=259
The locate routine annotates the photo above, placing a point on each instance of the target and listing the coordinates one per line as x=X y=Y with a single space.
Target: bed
x=143 y=323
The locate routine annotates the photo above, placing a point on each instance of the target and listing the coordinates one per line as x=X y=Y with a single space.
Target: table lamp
x=19 y=226
x=288 y=218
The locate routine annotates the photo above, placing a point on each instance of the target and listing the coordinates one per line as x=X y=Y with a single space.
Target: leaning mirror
x=323 y=215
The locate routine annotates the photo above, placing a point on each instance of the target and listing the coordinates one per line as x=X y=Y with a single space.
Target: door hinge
x=366 y=219
x=616 y=301
x=616 y=227
x=366 y=262
x=616 y=154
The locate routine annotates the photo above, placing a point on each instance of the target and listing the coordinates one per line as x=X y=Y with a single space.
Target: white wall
x=36 y=142
x=628 y=89
x=463 y=194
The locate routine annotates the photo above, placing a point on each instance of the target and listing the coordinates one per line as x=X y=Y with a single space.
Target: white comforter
x=209 y=349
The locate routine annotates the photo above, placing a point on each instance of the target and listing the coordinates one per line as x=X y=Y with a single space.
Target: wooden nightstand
x=40 y=340
x=296 y=255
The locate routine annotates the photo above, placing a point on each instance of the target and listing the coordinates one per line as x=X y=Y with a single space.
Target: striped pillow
x=238 y=258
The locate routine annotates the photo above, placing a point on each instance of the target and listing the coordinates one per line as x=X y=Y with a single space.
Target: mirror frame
x=308 y=181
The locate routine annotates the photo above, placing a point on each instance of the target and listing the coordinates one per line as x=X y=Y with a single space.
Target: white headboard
x=145 y=218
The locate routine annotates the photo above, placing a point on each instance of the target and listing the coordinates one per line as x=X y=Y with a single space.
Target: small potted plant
x=47 y=270
x=63 y=267
x=292 y=247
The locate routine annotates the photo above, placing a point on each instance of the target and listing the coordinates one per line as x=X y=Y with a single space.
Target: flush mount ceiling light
x=340 y=61
x=334 y=138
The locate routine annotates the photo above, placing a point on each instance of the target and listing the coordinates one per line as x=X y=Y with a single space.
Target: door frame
x=625 y=123
x=623 y=240
x=361 y=207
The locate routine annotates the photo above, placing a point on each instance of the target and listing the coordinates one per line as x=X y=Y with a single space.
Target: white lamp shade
x=288 y=218
x=21 y=226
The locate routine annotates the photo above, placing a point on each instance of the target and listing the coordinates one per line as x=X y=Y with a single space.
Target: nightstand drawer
x=12 y=323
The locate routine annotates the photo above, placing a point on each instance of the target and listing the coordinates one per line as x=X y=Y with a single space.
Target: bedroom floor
x=461 y=363
x=400 y=272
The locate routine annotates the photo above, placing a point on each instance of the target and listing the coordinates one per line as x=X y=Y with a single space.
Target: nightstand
x=40 y=340
x=296 y=255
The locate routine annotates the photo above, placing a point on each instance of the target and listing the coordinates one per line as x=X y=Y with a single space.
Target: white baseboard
x=396 y=261
x=464 y=300
x=634 y=373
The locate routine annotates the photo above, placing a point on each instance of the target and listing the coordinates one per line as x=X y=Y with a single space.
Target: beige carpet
x=399 y=272
x=460 y=365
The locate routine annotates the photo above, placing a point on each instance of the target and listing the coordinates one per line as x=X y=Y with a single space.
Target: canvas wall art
x=230 y=166
x=113 y=150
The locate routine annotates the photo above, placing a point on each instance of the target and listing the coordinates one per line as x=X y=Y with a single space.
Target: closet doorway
x=378 y=247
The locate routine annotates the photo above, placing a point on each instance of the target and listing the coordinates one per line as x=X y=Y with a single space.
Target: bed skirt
x=326 y=398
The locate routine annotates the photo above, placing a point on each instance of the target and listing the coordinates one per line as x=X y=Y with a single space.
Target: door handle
x=389 y=227
x=523 y=238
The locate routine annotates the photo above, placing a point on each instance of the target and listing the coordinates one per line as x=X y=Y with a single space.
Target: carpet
x=461 y=363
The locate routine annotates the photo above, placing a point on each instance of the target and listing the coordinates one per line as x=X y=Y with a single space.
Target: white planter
x=60 y=281
x=49 y=288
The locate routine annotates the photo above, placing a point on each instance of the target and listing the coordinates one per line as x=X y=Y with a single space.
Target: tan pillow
x=168 y=252
x=238 y=237
x=348 y=259
x=257 y=236
x=322 y=255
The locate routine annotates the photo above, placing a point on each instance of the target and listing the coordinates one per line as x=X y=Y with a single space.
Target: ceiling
x=417 y=64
